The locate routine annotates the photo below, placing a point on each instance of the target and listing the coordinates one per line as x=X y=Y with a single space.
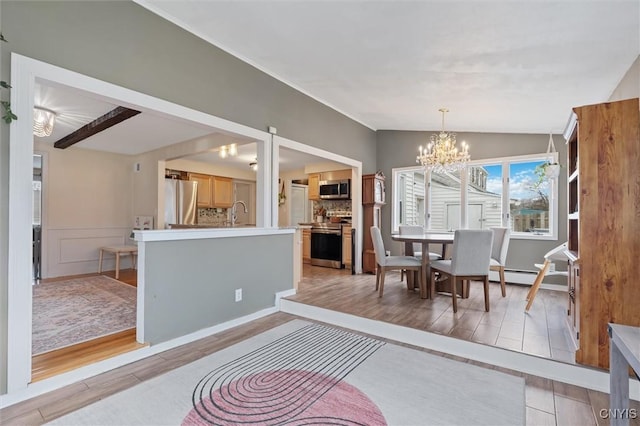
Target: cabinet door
x=222 y=191
x=314 y=186
x=346 y=245
x=306 y=246
x=204 y=189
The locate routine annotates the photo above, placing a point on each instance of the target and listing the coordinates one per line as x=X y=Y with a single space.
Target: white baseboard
x=64 y=379
x=555 y=370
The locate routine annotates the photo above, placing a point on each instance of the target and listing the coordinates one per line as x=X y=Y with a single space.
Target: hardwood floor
x=69 y=358
x=540 y=332
x=547 y=402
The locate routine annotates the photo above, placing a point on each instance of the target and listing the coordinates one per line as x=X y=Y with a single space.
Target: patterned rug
x=73 y=311
x=301 y=373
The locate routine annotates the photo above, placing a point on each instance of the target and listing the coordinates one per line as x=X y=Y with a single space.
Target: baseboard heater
x=518 y=276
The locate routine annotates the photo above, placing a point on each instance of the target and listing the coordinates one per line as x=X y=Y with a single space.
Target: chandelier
x=441 y=154
x=43 y=121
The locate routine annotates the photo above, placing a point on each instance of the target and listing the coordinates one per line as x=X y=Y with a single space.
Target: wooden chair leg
x=454 y=293
x=377 y=278
x=382 y=273
x=536 y=285
x=503 y=285
x=486 y=293
x=117 y=265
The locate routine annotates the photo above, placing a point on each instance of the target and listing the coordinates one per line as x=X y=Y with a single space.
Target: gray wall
x=399 y=149
x=123 y=43
x=190 y=285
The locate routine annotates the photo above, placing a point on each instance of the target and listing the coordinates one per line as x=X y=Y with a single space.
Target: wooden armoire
x=603 y=149
x=373 y=198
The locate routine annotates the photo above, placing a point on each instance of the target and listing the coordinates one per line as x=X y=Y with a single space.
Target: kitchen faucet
x=234 y=215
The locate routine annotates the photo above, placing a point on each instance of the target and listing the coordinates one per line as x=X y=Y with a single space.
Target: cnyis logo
x=618 y=413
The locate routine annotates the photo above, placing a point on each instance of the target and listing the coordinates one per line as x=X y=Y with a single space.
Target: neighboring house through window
x=510 y=191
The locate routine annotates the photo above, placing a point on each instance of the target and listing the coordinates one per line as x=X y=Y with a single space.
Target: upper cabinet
x=222 y=191
x=213 y=191
x=204 y=189
x=314 y=186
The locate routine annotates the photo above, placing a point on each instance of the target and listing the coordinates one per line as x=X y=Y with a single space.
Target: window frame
x=505 y=199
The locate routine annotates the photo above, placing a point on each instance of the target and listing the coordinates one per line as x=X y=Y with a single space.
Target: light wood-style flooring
x=542 y=331
x=69 y=358
x=547 y=402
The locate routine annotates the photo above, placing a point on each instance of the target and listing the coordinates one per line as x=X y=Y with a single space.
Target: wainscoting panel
x=76 y=251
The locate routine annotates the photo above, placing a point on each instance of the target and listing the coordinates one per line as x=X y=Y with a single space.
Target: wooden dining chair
x=417 y=247
x=501 y=237
x=469 y=261
x=386 y=263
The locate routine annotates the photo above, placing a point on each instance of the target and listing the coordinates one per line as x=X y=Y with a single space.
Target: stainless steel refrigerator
x=180 y=202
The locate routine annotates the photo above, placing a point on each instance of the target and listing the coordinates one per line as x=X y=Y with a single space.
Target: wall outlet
x=238 y=294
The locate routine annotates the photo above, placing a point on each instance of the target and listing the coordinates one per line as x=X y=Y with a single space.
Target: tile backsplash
x=213 y=216
x=330 y=205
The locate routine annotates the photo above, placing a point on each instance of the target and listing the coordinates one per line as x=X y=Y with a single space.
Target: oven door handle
x=326 y=232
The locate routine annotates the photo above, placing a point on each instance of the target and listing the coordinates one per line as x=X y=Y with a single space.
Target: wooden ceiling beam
x=111 y=118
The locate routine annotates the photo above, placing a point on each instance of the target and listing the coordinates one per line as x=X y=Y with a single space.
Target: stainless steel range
x=326 y=245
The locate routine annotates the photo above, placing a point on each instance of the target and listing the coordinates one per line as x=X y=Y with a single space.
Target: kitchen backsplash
x=212 y=216
x=331 y=205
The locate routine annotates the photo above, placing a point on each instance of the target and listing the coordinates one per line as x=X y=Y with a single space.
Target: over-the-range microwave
x=335 y=189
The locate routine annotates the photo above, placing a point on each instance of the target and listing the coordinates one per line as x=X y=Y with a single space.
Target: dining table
x=426 y=238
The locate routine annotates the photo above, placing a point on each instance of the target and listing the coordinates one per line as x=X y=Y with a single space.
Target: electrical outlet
x=238 y=294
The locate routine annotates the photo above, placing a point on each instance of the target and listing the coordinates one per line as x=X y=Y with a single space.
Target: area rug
x=301 y=373
x=73 y=311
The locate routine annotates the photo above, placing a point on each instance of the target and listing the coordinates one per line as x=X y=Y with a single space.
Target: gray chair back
x=378 y=245
x=501 y=237
x=412 y=229
x=471 y=252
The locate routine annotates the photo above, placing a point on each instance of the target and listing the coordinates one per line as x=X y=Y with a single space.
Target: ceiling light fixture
x=43 y=121
x=233 y=150
x=254 y=165
x=441 y=154
x=223 y=152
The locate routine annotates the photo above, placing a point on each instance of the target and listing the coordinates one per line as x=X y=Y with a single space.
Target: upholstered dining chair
x=470 y=258
x=501 y=237
x=417 y=247
x=386 y=263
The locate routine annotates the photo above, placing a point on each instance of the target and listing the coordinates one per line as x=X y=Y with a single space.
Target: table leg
x=618 y=387
x=100 y=262
x=117 y=265
x=424 y=283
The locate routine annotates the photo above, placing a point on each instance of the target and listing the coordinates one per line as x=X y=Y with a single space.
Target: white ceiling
x=143 y=132
x=499 y=66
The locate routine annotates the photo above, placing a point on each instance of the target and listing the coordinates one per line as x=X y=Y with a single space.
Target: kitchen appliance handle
x=323 y=231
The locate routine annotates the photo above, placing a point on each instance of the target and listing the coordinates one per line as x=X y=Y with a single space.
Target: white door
x=475 y=220
x=299 y=210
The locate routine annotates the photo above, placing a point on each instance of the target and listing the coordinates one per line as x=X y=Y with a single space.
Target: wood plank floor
x=547 y=402
x=69 y=358
x=540 y=332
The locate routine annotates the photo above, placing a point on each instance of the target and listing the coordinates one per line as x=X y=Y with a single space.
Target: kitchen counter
x=210 y=225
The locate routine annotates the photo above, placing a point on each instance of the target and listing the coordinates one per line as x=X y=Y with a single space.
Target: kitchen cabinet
x=314 y=186
x=222 y=192
x=603 y=152
x=306 y=245
x=204 y=189
x=213 y=191
x=373 y=198
x=346 y=246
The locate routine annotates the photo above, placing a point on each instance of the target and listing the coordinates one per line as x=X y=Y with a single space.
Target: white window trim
x=553 y=194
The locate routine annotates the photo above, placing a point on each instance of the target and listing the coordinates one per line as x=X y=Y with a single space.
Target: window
x=511 y=191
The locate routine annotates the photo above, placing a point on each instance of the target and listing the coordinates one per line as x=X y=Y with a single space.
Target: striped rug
x=301 y=373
